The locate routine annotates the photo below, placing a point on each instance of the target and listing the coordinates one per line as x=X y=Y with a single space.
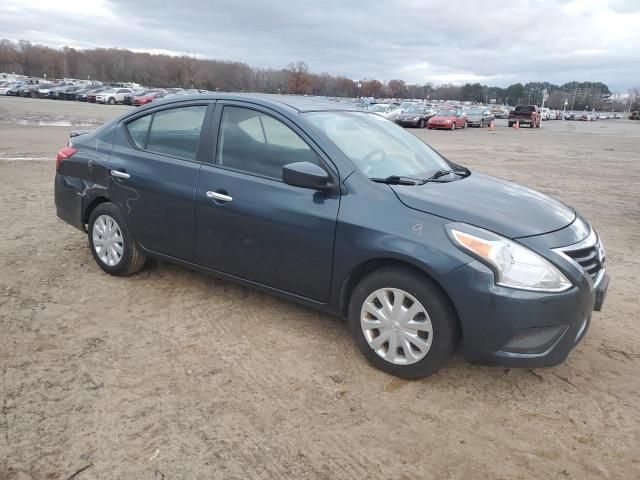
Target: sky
x=493 y=42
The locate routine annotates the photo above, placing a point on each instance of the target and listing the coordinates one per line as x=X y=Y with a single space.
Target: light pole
x=359 y=87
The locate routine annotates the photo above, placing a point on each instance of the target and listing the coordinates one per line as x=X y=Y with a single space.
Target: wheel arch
x=365 y=268
x=92 y=206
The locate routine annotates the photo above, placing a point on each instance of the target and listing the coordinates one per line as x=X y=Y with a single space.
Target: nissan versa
x=342 y=210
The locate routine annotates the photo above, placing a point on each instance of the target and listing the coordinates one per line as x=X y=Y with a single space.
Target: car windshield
x=446 y=113
x=415 y=109
x=380 y=107
x=378 y=147
x=476 y=111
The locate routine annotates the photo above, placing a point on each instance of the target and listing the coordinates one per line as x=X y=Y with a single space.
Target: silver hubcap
x=107 y=240
x=396 y=326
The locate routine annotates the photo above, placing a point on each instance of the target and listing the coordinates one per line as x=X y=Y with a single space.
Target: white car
x=5 y=88
x=544 y=113
x=387 y=110
x=113 y=96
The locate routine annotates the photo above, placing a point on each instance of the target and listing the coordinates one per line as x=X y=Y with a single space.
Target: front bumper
x=408 y=123
x=519 y=328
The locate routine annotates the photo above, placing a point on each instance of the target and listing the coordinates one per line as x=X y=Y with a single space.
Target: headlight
x=447 y=121
x=513 y=265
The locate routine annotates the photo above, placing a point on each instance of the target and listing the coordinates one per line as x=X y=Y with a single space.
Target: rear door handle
x=119 y=174
x=219 y=196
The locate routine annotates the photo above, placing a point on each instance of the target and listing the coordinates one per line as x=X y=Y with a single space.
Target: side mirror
x=306 y=175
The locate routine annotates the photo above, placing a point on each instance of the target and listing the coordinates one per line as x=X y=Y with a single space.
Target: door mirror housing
x=306 y=175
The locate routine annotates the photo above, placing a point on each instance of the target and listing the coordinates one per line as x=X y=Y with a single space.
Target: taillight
x=63 y=154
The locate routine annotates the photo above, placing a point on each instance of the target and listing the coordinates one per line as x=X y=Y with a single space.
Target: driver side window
x=258 y=144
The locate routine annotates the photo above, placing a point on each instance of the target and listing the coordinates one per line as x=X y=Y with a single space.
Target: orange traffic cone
x=492 y=126
x=517 y=125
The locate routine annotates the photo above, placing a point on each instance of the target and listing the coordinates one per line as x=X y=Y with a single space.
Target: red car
x=448 y=118
x=148 y=97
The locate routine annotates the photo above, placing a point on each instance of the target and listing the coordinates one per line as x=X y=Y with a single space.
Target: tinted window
x=176 y=132
x=258 y=144
x=138 y=130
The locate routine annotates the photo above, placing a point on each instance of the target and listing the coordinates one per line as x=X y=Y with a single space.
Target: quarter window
x=176 y=132
x=138 y=130
x=258 y=144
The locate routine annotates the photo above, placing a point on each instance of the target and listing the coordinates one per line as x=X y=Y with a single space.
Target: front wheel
x=421 y=124
x=453 y=126
x=112 y=245
x=403 y=323
x=112 y=101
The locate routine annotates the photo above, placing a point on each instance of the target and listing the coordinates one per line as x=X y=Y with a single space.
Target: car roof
x=297 y=103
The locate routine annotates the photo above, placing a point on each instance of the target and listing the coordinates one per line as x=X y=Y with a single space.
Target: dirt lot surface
x=171 y=374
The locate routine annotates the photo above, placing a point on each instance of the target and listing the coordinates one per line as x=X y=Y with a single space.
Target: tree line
x=160 y=70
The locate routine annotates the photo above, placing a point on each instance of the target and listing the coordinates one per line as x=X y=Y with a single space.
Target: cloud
x=498 y=42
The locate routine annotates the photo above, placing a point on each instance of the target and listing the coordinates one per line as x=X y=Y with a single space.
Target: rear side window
x=258 y=144
x=138 y=130
x=176 y=132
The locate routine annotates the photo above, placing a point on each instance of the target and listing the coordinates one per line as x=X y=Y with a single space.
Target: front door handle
x=219 y=196
x=119 y=174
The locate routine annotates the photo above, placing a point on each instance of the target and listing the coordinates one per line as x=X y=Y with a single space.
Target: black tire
x=112 y=101
x=453 y=126
x=511 y=124
x=532 y=124
x=421 y=124
x=446 y=330
x=133 y=259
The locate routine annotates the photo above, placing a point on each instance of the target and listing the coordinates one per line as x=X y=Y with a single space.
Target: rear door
x=154 y=167
x=252 y=225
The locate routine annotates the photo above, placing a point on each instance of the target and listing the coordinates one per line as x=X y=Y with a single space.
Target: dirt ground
x=171 y=374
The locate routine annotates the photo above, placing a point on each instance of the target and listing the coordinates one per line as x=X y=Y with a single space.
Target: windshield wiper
x=442 y=173
x=399 y=180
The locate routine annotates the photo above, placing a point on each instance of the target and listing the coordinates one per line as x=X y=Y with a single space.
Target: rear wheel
x=112 y=101
x=453 y=126
x=403 y=323
x=112 y=245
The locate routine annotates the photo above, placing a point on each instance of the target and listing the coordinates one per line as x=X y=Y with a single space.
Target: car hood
x=475 y=116
x=441 y=117
x=503 y=207
x=410 y=115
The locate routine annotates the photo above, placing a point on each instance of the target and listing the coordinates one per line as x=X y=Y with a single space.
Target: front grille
x=589 y=254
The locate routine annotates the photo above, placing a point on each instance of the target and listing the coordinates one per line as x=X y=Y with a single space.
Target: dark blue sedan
x=342 y=210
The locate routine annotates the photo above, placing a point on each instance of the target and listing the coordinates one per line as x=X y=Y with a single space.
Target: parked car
x=148 y=97
x=415 y=116
x=45 y=88
x=128 y=98
x=479 y=117
x=14 y=90
x=57 y=93
x=404 y=106
x=416 y=252
x=526 y=115
x=93 y=94
x=113 y=96
x=448 y=119
x=544 y=113
x=29 y=90
x=4 y=90
x=635 y=115
x=499 y=111
x=69 y=93
x=386 y=110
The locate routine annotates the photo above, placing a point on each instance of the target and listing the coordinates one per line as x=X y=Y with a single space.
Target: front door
x=252 y=225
